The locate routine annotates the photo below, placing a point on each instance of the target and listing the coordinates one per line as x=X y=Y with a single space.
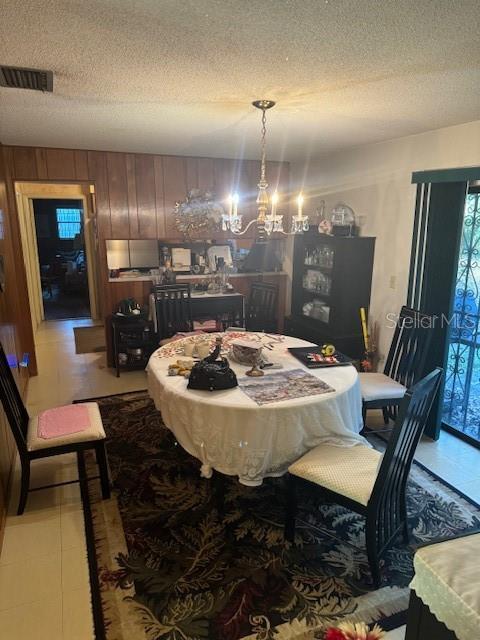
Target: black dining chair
x=403 y=367
x=32 y=447
x=364 y=481
x=261 y=312
x=173 y=309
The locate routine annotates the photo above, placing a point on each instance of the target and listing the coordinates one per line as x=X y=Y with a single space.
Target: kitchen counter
x=140 y=287
x=184 y=277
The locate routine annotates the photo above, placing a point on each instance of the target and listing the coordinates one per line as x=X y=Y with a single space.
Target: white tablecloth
x=447 y=581
x=228 y=431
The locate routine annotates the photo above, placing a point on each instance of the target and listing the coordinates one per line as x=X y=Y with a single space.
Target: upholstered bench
x=445 y=597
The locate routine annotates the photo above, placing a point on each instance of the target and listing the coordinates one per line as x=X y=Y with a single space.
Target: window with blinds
x=69 y=222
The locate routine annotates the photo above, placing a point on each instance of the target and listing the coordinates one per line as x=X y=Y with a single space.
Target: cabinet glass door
x=320 y=256
x=316 y=281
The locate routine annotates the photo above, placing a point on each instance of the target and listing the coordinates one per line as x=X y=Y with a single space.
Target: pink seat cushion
x=54 y=423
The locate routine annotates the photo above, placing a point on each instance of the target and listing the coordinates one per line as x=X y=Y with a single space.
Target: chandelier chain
x=264 y=136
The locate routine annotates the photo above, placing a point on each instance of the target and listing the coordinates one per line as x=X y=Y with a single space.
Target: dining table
x=228 y=431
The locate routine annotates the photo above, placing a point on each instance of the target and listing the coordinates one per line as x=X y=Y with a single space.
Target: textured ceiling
x=178 y=76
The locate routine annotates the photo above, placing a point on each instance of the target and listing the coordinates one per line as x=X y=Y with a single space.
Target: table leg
x=218 y=488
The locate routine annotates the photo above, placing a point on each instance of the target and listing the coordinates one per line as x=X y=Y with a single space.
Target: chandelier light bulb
x=235 y=199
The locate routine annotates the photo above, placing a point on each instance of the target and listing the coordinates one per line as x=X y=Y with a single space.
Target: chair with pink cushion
x=73 y=428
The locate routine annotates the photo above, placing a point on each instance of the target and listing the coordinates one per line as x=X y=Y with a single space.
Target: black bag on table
x=211 y=374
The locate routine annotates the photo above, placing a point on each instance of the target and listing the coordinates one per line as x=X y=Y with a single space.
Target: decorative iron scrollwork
x=462 y=384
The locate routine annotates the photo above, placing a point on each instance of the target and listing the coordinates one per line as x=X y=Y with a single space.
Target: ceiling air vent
x=21 y=78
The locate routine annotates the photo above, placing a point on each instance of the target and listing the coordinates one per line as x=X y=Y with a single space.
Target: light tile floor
x=44 y=587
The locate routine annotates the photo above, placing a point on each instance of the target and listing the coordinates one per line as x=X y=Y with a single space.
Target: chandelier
x=268 y=219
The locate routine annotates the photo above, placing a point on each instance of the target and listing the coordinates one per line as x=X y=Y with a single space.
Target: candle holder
x=255 y=371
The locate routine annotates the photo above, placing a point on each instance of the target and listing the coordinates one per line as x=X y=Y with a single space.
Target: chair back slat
x=411 y=340
x=262 y=307
x=12 y=403
x=388 y=493
x=173 y=309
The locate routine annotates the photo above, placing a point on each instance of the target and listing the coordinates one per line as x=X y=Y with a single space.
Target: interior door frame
x=25 y=193
x=31 y=259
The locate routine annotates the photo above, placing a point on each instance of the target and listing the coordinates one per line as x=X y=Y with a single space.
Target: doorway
x=62 y=259
x=461 y=402
x=59 y=250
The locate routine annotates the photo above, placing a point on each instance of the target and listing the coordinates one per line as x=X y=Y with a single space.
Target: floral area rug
x=167 y=566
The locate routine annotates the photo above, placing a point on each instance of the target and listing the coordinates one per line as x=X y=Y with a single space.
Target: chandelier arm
x=240 y=233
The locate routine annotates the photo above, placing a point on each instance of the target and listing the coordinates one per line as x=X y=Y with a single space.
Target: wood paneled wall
x=136 y=193
x=12 y=330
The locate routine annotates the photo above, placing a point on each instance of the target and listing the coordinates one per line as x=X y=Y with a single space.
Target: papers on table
x=285 y=385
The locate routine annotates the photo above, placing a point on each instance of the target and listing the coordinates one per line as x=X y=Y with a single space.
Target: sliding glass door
x=461 y=400
x=444 y=274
